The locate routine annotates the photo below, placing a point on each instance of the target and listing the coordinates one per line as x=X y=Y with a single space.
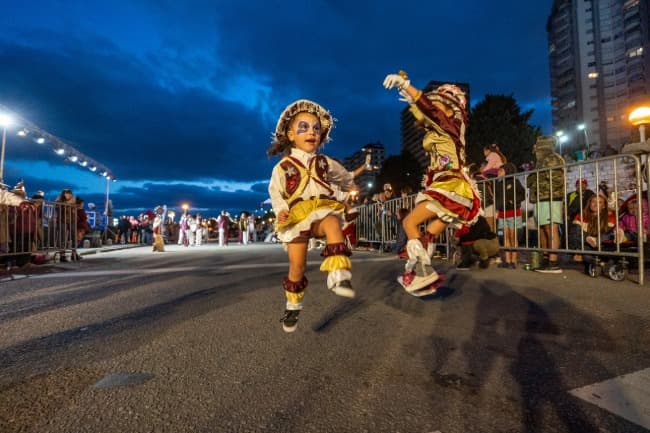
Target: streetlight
x=5 y=121
x=583 y=127
x=561 y=138
x=640 y=117
x=185 y=207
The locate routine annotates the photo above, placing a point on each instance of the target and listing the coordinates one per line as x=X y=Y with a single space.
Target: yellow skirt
x=304 y=213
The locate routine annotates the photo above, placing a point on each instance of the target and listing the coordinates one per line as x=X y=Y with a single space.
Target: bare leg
x=297 y=252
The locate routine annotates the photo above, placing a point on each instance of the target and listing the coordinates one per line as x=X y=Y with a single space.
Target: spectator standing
x=123 y=227
x=82 y=221
x=509 y=193
x=65 y=214
x=546 y=187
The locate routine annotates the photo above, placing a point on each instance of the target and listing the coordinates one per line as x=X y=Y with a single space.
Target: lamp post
x=582 y=127
x=561 y=138
x=5 y=121
x=640 y=117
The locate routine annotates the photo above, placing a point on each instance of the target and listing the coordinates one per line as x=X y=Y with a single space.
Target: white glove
x=396 y=80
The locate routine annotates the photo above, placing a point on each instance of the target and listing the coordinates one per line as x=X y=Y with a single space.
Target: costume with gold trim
x=302 y=184
x=448 y=190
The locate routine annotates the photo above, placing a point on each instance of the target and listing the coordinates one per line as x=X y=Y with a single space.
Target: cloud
x=175 y=96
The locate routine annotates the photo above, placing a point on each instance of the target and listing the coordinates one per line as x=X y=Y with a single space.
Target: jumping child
x=304 y=201
x=449 y=195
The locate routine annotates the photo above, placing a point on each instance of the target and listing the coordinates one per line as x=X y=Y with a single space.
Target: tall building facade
x=367 y=178
x=412 y=134
x=599 y=58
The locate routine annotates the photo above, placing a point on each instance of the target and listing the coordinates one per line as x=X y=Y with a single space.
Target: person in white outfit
x=198 y=231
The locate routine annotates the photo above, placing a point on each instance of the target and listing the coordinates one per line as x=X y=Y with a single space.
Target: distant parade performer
x=302 y=191
x=158 y=241
x=223 y=224
x=449 y=195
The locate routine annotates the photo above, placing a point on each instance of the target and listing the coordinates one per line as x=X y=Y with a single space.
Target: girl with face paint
x=449 y=196
x=304 y=188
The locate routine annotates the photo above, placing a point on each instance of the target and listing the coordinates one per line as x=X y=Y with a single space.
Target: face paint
x=303 y=127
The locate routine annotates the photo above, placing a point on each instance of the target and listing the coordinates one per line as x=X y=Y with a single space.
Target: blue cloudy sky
x=179 y=99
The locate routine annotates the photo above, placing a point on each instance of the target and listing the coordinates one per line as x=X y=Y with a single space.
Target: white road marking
x=124 y=272
x=627 y=396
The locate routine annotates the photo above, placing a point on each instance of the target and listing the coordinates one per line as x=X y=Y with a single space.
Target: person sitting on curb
x=477 y=240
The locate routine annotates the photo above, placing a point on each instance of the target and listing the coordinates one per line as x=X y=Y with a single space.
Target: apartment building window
x=635 y=52
x=592 y=75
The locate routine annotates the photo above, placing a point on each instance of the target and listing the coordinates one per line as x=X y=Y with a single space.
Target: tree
x=400 y=171
x=498 y=119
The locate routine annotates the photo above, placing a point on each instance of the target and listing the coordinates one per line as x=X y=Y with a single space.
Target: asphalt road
x=190 y=341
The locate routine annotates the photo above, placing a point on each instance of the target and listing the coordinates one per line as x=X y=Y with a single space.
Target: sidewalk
x=107 y=248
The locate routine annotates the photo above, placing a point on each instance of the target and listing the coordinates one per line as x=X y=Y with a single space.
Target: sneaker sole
x=430 y=289
x=425 y=281
x=344 y=291
x=289 y=329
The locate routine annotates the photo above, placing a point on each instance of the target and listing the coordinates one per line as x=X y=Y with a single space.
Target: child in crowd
x=628 y=219
x=596 y=224
x=494 y=159
x=509 y=193
x=304 y=201
x=449 y=196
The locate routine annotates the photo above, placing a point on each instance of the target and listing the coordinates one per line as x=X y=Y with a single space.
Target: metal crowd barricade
x=377 y=224
x=36 y=227
x=625 y=173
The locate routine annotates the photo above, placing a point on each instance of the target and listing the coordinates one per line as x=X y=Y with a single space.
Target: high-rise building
x=366 y=179
x=599 y=56
x=412 y=134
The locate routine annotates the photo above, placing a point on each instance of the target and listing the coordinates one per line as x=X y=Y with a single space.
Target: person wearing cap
x=449 y=196
x=546 y=191
x=509 y=193
x=305 y=203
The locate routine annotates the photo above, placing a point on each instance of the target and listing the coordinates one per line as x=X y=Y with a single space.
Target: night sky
x=179 y=99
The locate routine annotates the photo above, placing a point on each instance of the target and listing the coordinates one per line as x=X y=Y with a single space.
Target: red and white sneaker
x=430 y=289
x=420 y=277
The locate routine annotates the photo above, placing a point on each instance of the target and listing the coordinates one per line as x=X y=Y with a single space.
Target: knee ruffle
x=293 y=286
x=338 y=249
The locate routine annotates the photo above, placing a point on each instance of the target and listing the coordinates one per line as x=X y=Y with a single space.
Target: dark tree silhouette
x=499 y=119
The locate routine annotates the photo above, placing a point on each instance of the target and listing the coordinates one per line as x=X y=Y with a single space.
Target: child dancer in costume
x=303 y=198
x=449 y=196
